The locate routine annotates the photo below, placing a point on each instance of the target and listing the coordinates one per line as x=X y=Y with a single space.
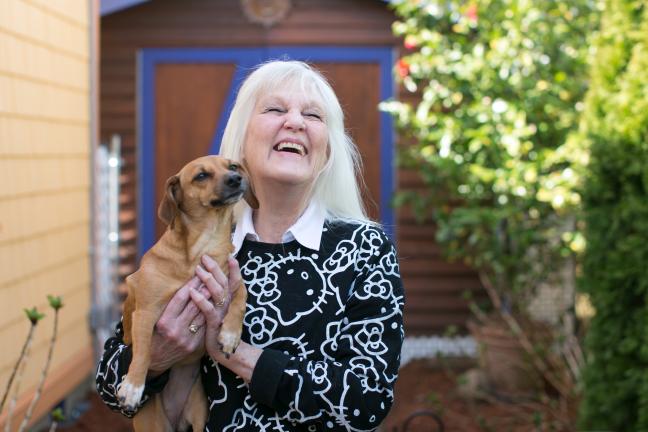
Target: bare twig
x=560 y=371
x=34 y=317
x=571 y=357
x=522 y=338
x=23 y=353
x=19 y=378
x=56 y=304
x=578 y=352
x=481 y=316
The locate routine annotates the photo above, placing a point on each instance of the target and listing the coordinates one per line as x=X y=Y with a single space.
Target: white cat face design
x=308 y=288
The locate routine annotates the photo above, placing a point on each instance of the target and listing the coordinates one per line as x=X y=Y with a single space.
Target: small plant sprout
x=55 y=303
x=57 y=417
x=34 y=316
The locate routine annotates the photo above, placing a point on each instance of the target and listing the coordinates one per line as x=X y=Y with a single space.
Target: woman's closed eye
x=313 y=115
x=274 y=109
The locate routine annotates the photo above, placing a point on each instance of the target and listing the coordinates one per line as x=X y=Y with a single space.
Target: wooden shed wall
x=44 y=192
x=434 y=288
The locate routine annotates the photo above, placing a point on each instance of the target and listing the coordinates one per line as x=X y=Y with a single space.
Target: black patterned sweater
x=330 y=323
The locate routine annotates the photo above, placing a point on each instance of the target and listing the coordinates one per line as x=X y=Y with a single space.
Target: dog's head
x=204 y=184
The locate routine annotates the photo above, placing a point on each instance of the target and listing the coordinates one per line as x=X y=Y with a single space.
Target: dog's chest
x=210 y=245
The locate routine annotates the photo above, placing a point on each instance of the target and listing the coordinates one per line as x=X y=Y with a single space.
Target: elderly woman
x=323 y=326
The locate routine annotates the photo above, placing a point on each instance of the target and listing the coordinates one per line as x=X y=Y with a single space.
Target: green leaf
x=55 y=303
x=57 y=415
x=33 y=315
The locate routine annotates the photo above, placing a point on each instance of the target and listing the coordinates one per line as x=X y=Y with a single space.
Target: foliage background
x=501 y=84
x=616 y=208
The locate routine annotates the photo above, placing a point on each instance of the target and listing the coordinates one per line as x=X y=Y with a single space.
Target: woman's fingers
x=212 y=311
x=213 y=268
x=203 y=304
x=221 y=289
x=216 y=289
x=179 y=300
x=174 y=325
x=199 y=320
x=191 y=311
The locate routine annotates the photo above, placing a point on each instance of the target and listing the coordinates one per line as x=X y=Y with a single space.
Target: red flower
x=471 y=13
x=410 y=42
x=403 y=68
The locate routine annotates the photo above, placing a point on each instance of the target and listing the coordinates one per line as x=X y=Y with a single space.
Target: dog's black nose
x=233 y=180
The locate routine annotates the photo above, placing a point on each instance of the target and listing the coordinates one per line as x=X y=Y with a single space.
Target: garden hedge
x=615 y=200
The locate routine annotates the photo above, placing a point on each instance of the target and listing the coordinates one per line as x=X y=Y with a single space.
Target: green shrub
x=616 y=209
x=501 y=84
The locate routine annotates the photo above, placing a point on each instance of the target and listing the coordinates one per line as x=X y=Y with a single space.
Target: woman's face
x=286 y=140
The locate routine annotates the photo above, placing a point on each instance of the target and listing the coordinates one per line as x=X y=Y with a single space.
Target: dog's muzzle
x=234 y=187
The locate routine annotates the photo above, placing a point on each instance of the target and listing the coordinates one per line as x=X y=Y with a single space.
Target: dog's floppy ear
x=249 y=195
x=170 y=205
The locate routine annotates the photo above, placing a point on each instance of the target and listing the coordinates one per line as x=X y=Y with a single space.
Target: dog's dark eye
x=201 y=176
x=233 y=167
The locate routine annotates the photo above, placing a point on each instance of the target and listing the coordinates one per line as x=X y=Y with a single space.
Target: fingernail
x=199 y=269
x=208 y=260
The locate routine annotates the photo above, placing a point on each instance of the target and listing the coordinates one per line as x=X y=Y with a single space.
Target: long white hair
x=337 y=186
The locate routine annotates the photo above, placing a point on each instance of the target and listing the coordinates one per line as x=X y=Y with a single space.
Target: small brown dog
x=198 y=209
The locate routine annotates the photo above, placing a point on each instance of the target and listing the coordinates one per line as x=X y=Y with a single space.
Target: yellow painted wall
x=45 y=183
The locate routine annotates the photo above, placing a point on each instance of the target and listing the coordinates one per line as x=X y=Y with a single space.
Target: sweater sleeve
x=112 y=368
x=351 y=388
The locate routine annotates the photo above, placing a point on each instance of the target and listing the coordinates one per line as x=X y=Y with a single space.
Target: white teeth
x=284 y=145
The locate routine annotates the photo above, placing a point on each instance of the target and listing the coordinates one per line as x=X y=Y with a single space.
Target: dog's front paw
x=229 y=341
x=130 y=395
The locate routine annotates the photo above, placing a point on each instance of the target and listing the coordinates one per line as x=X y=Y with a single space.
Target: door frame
x=245 y=60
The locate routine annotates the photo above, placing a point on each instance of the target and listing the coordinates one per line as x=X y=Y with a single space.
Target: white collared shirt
x=307 y=230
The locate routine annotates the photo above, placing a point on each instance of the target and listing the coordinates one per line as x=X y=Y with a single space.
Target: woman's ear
x=170 y=205
x=249 y=196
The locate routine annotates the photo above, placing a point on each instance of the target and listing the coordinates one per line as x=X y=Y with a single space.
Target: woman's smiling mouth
x=291 y=147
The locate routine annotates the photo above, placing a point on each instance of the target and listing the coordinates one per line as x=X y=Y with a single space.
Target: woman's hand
x=243 y=361
x=172 y=339
x=221 y=290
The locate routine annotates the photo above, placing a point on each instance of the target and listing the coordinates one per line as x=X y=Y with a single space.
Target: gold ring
x=220 y=303
x=193 y=328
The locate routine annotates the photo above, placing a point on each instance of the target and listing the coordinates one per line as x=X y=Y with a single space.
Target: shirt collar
x=307 y=230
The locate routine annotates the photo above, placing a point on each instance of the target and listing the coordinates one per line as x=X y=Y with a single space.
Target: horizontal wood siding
x=206 y=23
x=45 y=195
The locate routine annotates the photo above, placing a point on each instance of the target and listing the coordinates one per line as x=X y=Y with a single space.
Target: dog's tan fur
x=198 y=209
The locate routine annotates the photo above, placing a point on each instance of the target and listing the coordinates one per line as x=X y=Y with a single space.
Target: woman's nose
x=294 y=121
